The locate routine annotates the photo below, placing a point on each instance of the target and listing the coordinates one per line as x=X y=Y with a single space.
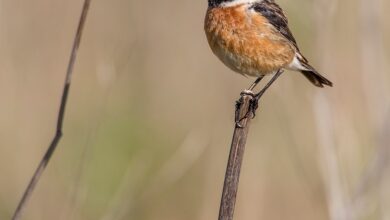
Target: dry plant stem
x=53 y=145
x=235 y=159
x=245 y=112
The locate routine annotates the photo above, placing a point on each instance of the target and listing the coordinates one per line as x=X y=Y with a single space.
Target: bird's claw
x=253 y=105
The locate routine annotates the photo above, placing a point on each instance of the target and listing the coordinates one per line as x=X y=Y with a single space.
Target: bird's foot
x=251 y=110
x=253 y=105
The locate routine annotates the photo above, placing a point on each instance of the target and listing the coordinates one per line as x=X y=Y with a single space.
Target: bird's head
x=215 y=3
x=222 y=3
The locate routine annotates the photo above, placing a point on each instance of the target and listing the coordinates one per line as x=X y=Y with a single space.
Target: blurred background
x=150 y=114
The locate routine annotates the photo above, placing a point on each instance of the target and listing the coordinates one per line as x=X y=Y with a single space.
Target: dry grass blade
x=53 y=145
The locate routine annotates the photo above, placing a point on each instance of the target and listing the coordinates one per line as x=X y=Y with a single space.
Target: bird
x=252 y=38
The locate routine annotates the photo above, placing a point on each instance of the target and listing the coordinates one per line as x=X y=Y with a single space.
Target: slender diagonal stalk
x=54 y=143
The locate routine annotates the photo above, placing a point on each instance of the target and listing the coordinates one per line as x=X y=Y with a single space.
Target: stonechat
x=252 y=38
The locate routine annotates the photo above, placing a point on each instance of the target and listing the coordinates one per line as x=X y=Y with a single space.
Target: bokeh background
x=150 y=114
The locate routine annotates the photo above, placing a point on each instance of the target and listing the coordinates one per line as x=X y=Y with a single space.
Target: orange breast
x=246 y=42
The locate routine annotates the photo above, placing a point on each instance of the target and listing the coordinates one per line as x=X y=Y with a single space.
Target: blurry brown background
x=149 y=117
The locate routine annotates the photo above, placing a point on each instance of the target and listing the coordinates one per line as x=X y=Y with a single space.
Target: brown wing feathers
x=276 y=17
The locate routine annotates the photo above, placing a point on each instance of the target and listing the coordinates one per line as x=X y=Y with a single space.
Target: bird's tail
x=311 y=74
x=317 y=79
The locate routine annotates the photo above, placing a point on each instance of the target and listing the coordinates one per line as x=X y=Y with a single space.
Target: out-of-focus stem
x=58 y=134
x=335 y=193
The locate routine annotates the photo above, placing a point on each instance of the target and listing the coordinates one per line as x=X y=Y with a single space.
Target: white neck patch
x=238 y=2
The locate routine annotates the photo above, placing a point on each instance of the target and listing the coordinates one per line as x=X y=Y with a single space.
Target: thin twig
x=237 y=149
x=53 y=145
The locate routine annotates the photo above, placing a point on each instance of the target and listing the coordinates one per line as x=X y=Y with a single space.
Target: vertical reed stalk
x=237 y=149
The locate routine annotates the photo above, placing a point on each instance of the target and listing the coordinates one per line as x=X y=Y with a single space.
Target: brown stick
x=236 y=155
x=245 y=110
x=54 y=143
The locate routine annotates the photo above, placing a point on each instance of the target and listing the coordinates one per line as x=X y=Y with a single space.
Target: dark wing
x=275 y=15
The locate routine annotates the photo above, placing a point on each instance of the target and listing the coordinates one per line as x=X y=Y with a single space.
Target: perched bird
x=252 y=38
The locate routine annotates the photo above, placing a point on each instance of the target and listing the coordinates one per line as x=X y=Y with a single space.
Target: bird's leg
x=239 y=102
x=249 y=92
x=254 y=84
x=255 y=100
x=276 y=76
